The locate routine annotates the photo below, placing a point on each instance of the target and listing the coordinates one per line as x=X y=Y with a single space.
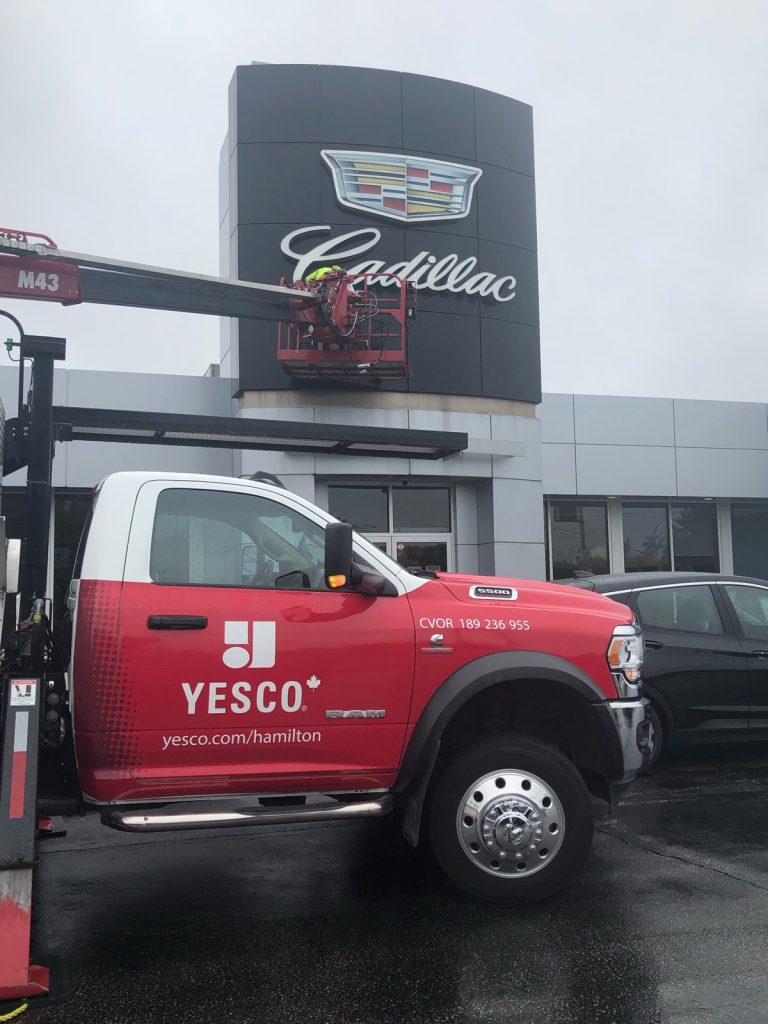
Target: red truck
x=240 y=657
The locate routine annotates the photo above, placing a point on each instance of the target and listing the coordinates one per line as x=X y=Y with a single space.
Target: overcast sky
x=651 y=152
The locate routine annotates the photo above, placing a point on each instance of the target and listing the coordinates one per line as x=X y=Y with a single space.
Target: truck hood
x=533 y=592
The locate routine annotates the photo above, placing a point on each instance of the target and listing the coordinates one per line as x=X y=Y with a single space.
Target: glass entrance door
x=415 y=553
x=412 y=523
x=420 y=554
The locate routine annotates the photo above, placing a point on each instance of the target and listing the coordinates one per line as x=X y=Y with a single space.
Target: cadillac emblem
x=404 y=188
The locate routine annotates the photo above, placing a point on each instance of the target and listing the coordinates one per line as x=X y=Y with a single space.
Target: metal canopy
x=131 y=427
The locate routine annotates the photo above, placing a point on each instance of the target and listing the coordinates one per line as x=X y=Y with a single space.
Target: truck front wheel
x=510 y=820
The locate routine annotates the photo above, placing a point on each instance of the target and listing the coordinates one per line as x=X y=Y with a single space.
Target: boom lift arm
x=33 y=267
x=343 y=328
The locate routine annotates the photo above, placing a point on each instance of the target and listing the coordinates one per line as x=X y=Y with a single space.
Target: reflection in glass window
x=749 y=527
x=646 y=537
x=223 y=538
x=366 y=508
x=751 y=606
x=688 y=609
x=421 y=509
x=694 y=537
x=579 y=537
x=432 y=556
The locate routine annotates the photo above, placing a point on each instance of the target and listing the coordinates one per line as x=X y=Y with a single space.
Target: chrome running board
x=174 y=817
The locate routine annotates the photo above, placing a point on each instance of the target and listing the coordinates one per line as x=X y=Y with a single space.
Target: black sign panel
x=380 y=171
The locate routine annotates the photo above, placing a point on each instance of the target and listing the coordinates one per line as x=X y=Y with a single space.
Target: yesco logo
x=256 y=651
x=247 y=645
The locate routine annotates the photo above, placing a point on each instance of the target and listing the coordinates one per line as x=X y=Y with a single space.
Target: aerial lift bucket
x=357 y=332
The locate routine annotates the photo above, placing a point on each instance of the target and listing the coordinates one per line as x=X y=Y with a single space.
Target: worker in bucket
x=317 y=277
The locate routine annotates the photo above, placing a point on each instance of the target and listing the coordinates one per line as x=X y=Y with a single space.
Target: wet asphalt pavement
x=344 y=923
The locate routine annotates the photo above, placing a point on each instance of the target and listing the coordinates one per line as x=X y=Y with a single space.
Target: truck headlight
x=625 y=658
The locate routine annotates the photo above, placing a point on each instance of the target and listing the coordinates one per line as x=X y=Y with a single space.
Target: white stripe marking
x=20 y=731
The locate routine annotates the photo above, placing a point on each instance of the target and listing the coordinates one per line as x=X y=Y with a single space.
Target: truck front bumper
x=634 y=730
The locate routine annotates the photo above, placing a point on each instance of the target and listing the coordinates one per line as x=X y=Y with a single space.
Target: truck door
x=246 y=672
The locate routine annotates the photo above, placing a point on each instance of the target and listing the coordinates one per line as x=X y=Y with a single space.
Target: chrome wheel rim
x=510 y=823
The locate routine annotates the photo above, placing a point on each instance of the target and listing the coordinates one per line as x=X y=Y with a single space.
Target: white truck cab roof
x=120 y=529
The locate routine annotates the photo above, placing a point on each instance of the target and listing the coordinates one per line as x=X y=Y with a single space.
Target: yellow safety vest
x=316 y=275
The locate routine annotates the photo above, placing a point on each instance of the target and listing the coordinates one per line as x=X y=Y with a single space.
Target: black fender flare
x=464 y=684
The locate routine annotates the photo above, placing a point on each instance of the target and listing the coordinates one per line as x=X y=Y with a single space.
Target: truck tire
x=510 y=820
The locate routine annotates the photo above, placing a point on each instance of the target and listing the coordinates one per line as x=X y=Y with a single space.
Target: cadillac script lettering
x=425 y=270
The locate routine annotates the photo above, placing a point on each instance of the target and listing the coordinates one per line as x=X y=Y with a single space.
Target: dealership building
x=437 y=187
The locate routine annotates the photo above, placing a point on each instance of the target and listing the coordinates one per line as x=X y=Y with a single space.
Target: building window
x=411 y=524
x=421 y=510
x=694 y=537
x=749 y=529
x=679 y=535
x=578 y=537
x=366 y=508
x=646 y=537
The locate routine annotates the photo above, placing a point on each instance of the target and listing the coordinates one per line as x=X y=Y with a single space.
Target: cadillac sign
x=407 y=189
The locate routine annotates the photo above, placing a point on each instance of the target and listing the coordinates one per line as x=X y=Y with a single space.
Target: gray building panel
x=719 y=473
x=395 y=418
x=223 y=183
x=484 y=492
x=150 y=392
x=520 y=561
x=625 y=470
x=466 y=466
x=524 y=431
x=467 y=559
x=517 y=511
x=558 y=468
x=279 y=463
x=701 y=424
x=474 y=424
x=556 y=415
x=89 y=462
x=631 y=421
x=653 y=447
x=465 y=527
x=344 y=465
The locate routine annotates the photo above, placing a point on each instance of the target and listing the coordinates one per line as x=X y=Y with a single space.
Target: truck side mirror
x=338 y=554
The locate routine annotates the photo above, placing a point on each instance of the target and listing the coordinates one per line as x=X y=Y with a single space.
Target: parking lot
x=345 y=923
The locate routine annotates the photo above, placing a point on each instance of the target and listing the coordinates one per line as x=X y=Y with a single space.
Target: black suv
x=706 y=651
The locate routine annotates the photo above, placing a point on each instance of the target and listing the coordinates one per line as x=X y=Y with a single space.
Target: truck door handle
x=177 y=621
x=759 y=654
x=654 y=645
